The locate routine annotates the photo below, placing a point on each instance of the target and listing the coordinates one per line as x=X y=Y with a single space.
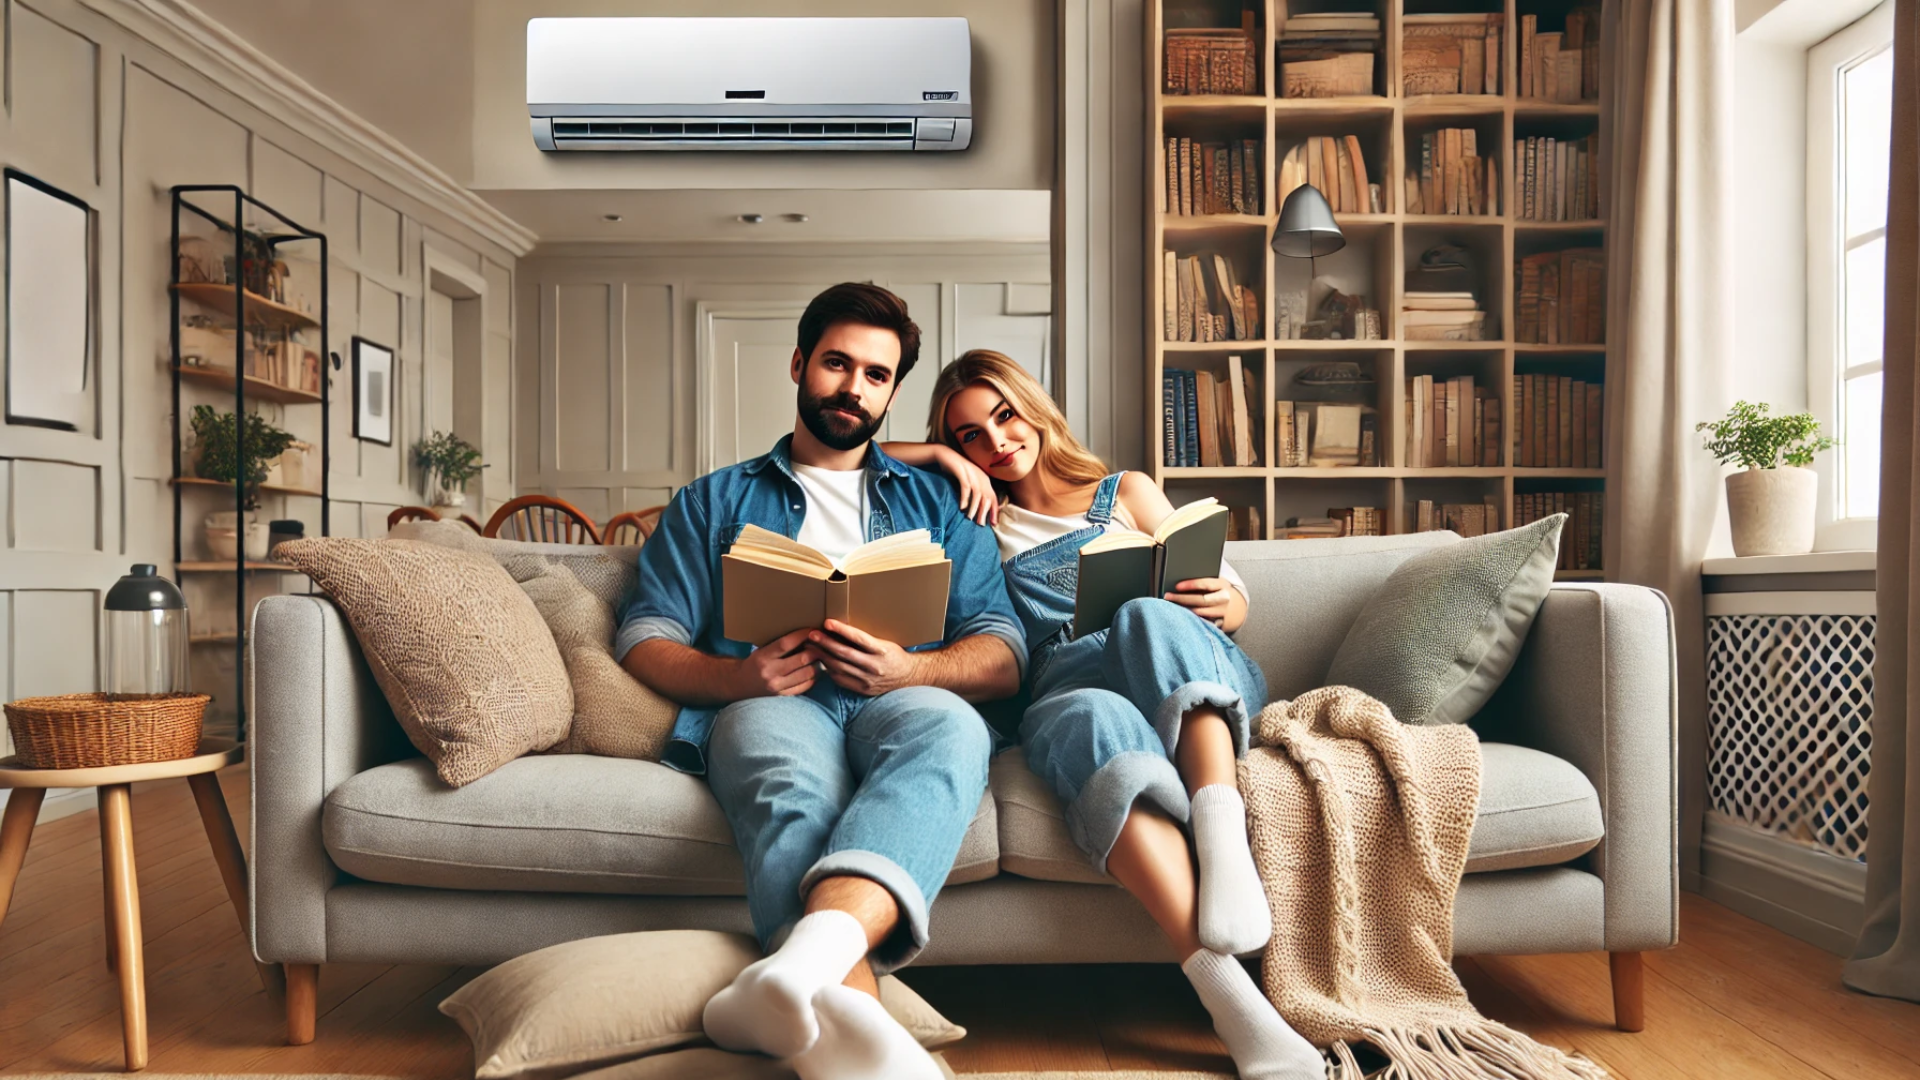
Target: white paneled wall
x=610 y=415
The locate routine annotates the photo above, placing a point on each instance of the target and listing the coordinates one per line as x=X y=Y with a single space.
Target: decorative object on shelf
x=294 y=468
x=147 y=634
x=450 y=463
x=282 y=530
x=373 y=373
x=224 y=533
x=50 y=309
x=1771 y=505
x=1209 y=60
x=218 y=440
x=1328 y=55
x=1337 y=375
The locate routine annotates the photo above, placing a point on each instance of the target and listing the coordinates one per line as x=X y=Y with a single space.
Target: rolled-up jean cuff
x=910 y=938
x=1173 y=711
x=1100 y=811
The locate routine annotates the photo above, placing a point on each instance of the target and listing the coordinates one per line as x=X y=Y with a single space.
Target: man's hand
x=858 y=661
x=780 y=668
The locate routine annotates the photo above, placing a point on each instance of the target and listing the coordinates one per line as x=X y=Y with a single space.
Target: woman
x=1137 y=727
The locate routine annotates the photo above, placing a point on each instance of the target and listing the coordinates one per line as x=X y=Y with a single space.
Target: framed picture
x=49 y=308
x=373 y=365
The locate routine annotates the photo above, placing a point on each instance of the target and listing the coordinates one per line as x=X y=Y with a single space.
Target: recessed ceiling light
x=611 y=217
x=795 y=218
x=751 y=219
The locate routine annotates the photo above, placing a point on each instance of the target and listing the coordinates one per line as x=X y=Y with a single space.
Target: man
x=848 y=767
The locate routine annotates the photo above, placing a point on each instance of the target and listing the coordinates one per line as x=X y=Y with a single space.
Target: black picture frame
x=375 y=367
x=88 y=396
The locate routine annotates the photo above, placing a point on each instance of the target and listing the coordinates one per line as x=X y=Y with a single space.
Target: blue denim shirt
x=678 y=595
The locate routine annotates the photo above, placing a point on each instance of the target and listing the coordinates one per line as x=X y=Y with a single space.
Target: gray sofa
x=361 y=855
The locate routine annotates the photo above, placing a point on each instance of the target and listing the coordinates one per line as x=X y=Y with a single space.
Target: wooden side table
x=124 y=956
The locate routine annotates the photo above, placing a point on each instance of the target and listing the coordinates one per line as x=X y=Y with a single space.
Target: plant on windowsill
x=1770 y=506
x=450 y=463
x=217 y=441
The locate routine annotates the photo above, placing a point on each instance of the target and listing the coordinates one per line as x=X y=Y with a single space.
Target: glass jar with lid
x=147 y=635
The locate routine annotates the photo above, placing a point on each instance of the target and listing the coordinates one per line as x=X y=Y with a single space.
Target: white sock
x=859 y=1040
x=1262 y=1045
x=1234 y=917
x=769 y=1006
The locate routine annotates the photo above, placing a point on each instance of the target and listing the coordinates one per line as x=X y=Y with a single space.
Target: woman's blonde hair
x=1060 y=455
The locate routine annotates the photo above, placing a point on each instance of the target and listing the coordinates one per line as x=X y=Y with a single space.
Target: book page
x=767 y=548
x=1186 y=515
x=1115 y=541
x=912 y=548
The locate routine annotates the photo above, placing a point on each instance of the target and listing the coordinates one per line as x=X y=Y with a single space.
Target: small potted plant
x=217 y=438
x=449 y=462
x=1770 y=506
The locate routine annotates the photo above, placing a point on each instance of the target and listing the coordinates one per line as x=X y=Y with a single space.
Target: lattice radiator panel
x=1789 y=705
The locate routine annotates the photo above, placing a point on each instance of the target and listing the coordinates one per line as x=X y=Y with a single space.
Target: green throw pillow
x=1437 y=639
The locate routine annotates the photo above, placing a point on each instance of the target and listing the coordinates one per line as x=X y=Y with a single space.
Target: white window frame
x=1825 y=231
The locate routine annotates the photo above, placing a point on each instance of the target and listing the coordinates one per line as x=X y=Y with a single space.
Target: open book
x=894 y=588
x=1122 y=566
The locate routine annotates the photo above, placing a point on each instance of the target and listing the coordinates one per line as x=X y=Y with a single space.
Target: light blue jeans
x=1107 y=711
x=834 y=785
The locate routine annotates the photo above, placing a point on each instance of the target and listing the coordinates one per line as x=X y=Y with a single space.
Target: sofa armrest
x=316 y=718
x=1595 y=684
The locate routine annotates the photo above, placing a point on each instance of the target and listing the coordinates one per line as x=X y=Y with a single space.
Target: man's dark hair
x=868 y=305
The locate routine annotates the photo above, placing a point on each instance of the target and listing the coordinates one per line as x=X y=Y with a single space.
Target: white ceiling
x=836 y=216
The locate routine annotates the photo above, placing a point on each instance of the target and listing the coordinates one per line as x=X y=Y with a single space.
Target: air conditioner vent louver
x=634 y=130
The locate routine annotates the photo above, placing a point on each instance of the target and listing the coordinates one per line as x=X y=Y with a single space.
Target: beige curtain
x=1666 y=118
x=1887 y=958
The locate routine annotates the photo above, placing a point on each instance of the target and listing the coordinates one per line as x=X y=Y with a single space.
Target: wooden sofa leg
x=303 y=1002
x=1629 y=992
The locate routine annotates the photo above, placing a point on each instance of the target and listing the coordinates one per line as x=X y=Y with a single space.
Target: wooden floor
x=1735 y=1000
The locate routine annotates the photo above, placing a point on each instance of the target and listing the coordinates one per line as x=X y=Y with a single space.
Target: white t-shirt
x=1020 y=530
x=836 y=520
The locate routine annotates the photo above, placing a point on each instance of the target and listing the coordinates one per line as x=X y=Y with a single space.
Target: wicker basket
x=87 y=731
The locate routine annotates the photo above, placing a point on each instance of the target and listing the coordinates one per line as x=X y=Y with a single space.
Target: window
x=1849 y=113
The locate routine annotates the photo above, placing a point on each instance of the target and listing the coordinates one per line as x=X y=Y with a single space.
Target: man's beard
x=836 y=431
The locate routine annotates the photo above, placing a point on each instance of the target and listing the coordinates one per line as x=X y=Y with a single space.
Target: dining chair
x=633 y=527
x=541 y=519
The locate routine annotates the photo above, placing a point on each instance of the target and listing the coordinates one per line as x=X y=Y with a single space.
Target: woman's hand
x=1211 y=598
x=977 y=498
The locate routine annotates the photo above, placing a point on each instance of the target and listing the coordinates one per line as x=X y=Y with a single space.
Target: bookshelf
x=1381 y=249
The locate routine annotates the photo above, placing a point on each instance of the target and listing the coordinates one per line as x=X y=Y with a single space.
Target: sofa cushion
x=1535 y=810
x=559 y=823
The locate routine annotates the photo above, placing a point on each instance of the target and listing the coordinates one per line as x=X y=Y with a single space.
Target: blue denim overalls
x=1107 y=707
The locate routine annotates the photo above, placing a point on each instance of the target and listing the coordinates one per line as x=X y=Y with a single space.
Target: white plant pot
x=258 y=533
x=452 y=499
x=1771 y=511
x=223 y=533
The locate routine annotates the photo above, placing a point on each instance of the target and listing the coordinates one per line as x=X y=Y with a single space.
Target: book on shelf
x=1557 y=179
x=1562 y=67
x=1466 y=519
x=1213 y=61
x=1337 y=166
x=1443 y=316
x=1210 y=178
x=1447 y=175
x=1208 y=418
x=1580 y=536
x=1562 y=422
x=1205 y=300
x=1125 y=565
x=1328 y=54
x=1451 y=54
x=894 y=588
x=1243 y=523
x=1338 y=521
x=1560 y=298
x=1451 y=423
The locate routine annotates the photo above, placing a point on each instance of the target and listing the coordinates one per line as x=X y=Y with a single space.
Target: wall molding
x=187 y=35
x=1814 y=896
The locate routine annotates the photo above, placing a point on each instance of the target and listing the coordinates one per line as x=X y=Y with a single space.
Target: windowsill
x=1813 y=562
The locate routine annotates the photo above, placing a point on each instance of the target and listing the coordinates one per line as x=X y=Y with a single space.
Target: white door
x=747 y=394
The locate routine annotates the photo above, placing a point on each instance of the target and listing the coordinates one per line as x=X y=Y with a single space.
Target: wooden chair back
x=633 y=527
x=541 y=519
x=469 y=522
x=410 y=513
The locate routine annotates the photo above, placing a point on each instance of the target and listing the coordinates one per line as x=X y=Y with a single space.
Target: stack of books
x=1565 y=67
x=1447 y=175
x=1443 y=316
x=1211 y=178
x=1203 y=300
x=1557 y=179
x=1324 y=434
x=1560 y=298
x=1451 y=54
x=1208 y=61
x=1207 y=419
x=1451 y=423
x=1335 y=165
x=1558 y=422
x=1339 y=521
x=1580 y=538
x=1328 y=55
x=1466 y=519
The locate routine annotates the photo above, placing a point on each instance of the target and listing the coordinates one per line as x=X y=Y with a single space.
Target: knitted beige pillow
x=465 y=660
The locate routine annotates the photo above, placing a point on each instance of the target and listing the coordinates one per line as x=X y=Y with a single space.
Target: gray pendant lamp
x=1307 y=229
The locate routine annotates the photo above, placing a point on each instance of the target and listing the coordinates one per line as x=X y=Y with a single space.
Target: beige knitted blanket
x=1360 y=826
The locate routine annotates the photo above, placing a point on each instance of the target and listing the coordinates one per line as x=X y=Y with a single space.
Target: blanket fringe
x=1485 y=1051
